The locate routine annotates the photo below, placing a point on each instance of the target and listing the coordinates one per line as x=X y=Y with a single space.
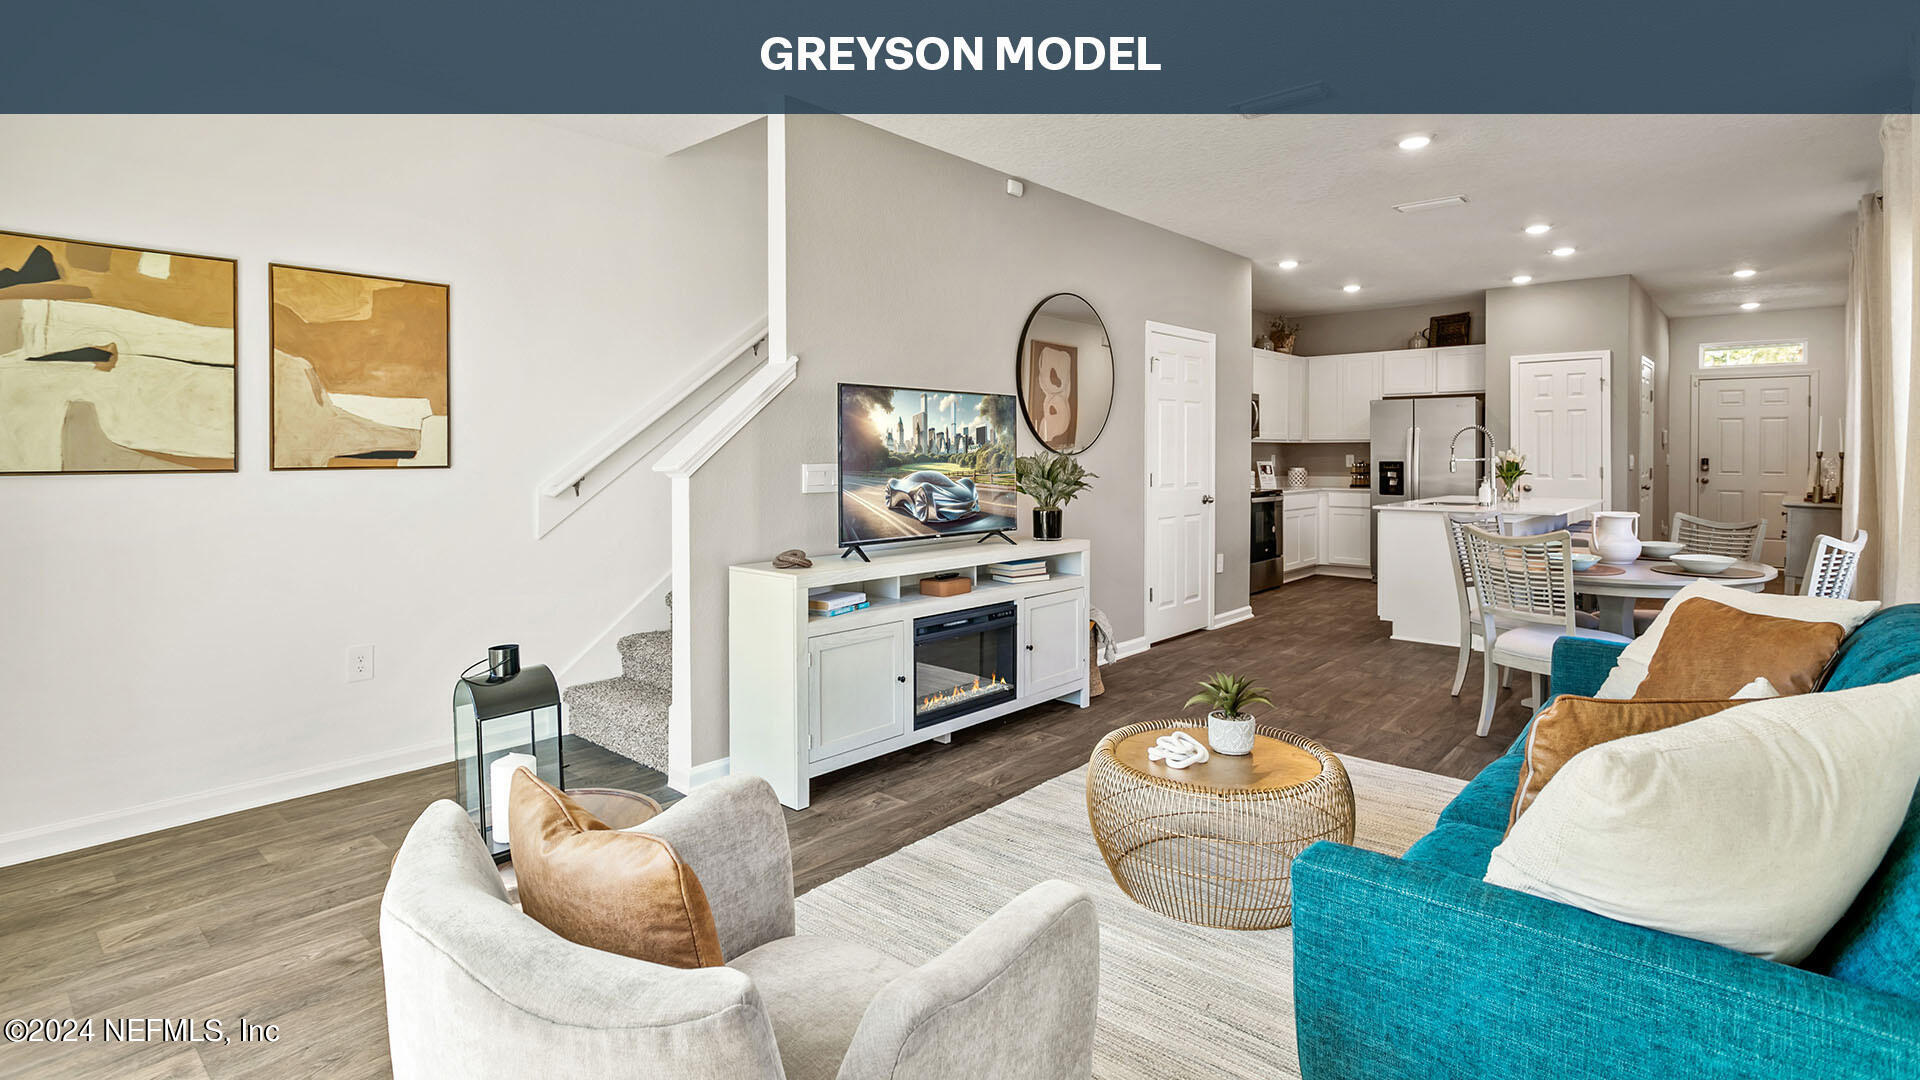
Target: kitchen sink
x=1451 y=500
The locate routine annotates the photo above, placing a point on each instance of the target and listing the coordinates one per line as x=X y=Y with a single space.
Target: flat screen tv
x=920 y=463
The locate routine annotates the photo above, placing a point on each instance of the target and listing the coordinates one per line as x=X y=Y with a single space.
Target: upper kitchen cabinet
x=1407 y=371
x=1340 y=393
x=1280 y=379
x=1460 y=369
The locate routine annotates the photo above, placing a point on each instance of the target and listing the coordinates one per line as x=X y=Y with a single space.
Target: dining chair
x=1704 y=536
x=1463 y=588
x=1831 y=567
x=1525 y=588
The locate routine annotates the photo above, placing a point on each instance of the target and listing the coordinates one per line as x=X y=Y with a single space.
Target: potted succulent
x=1229 y=728
x=1051 y=480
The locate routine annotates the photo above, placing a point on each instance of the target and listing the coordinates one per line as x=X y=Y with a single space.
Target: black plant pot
x=1046 y=524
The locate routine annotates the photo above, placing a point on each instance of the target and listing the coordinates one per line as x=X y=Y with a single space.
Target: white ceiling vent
x=1440 y=203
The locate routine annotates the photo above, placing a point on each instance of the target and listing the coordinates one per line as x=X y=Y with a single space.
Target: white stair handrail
x=726 y=419
x=695 y=377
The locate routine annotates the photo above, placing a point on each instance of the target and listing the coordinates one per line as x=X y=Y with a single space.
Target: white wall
x=1824 y=329
x=911 y=266
x=174 y=646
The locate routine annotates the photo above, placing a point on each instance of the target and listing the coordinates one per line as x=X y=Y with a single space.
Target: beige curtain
x=1882 y=473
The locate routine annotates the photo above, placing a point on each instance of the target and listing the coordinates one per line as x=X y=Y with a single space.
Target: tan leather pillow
x=1571 y=724
x=1711 y=650
x=619 y=892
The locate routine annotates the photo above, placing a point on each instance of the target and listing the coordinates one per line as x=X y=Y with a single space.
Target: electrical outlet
x=359 y=663
x=819 y=479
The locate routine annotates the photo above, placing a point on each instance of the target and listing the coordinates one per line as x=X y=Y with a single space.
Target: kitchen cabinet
x=1053 y=640
x=1340 y=392
x=1359 y=388
x=1460 y=369
x=1325 y=527
x=1300 y=534
x=1323 y=397
x=1281 y=381
x=1408 y=371
x=1348 y=537
x=856 y=688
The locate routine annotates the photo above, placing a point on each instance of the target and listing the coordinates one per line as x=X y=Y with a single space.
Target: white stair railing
x=613 y=453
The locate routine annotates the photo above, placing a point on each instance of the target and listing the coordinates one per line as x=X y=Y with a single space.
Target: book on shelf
x=1021 y=579
x=1019 y=566
x=831 y=612
x=827 y=601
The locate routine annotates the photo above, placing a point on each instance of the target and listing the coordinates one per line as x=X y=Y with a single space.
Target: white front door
x=1179 y=480
x=1643 y=458
x=1560 y=418
x=1750 y=437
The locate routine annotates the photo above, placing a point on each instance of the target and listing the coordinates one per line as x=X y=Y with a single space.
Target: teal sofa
x=1414 y=967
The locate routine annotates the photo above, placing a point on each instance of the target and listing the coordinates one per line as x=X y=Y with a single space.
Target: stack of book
x=836 y=603
x=1017 y=572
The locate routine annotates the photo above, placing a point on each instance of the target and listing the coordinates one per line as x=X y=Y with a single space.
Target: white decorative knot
x=1178 y=750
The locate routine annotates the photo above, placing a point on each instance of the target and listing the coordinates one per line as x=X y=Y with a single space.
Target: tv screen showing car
x=921 y=463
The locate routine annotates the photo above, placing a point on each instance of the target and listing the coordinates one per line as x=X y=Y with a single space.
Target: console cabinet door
x=856 y=689
x=1053 y=641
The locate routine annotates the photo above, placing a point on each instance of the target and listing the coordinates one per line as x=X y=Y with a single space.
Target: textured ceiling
x=1677 y=201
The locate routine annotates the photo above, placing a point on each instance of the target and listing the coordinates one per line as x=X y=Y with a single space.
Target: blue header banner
x=1040 y=56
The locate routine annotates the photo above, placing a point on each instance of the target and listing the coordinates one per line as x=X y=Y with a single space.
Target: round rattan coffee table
x=1213 y=844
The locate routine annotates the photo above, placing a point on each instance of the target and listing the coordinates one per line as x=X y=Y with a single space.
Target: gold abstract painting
x=114 y=359
x=359 y=371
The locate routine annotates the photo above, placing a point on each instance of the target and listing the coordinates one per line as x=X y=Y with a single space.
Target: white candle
x=500 y=789
x=1820 y=445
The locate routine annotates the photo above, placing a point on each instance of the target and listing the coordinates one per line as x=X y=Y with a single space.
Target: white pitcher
x=1616 y=535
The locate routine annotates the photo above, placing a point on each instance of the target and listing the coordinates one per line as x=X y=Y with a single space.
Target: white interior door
x=1643 y=457
x=1179 y=480
x=1560 y=416
x=1750 y=435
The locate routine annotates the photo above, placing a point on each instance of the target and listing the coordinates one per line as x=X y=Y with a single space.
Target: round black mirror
x=1064 y=373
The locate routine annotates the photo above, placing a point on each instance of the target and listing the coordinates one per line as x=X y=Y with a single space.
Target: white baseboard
x=707 y=772
x=1131 y=647
x=27 y=845
x=1228 y=618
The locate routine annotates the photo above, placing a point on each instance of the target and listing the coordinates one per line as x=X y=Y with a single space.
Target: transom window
x=1752 y=353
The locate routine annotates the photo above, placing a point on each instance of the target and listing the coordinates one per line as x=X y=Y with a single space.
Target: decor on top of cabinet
x=360 y=371
x=1508 y=467
x=1446 y=330
x=1051 y=480
x=1064 y=373
x=1422 y=339
x=1229 y=726
x=1616 y=535
x=1283 y=332
x=114 y=359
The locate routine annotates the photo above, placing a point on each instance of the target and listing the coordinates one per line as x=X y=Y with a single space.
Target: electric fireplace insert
x=963 y=662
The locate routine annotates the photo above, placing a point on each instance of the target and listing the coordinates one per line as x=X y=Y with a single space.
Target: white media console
x=808 y=694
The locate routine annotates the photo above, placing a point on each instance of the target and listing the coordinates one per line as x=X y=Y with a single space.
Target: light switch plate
x=1219 y=562
x=819 y=479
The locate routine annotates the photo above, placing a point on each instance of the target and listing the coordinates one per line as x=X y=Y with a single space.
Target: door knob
x=1205 y=499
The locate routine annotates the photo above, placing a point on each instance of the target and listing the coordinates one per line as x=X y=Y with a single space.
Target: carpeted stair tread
x=626 y=716
x=648 y=657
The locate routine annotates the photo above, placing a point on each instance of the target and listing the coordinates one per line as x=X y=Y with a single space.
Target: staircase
x=627 y=714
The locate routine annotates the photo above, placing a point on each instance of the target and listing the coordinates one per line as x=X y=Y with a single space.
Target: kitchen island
x=1413 y=558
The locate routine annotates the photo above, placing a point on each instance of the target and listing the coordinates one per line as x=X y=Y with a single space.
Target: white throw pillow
x=1630 y=670
x=1753 y=828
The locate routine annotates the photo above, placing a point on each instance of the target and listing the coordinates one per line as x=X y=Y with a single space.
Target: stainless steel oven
x=1264 y=549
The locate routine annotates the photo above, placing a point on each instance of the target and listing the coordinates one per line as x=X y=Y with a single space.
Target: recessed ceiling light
x=1289 y=264
x=1353 y=286
x=1563 y=252
x=1750 y=305
x=1745 y=271
x=1522 y=279
x=1539 y=228
x=1416 y=142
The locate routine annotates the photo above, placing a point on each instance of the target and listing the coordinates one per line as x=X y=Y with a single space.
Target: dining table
x=1616 y=586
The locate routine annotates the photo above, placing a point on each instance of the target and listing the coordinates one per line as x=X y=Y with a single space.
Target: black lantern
x=505 y=710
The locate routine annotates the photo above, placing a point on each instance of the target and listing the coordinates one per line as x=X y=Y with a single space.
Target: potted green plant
x=1229 y=727
x=1051 y=480
x=1282 y=331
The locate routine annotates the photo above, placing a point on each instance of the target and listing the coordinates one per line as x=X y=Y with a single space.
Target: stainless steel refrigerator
x=1410 y=437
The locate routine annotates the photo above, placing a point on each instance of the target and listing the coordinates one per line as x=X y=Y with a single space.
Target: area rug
x=1176 y=1001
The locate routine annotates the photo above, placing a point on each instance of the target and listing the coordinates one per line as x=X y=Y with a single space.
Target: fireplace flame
x=992 y=684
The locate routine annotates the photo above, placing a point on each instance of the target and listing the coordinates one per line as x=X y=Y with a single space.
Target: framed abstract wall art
x=360 y=371
x=114 y=359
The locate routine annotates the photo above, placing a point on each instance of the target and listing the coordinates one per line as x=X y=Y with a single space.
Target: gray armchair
x=476 y=989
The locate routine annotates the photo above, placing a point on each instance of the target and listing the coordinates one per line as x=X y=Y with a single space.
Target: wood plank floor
x=272 y=914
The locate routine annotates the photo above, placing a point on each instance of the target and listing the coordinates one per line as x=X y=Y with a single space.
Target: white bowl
x=1661 y=549
x=1704 y=564
x=1584 y=560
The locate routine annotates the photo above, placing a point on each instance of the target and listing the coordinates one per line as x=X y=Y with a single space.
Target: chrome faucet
x=1453 y=458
